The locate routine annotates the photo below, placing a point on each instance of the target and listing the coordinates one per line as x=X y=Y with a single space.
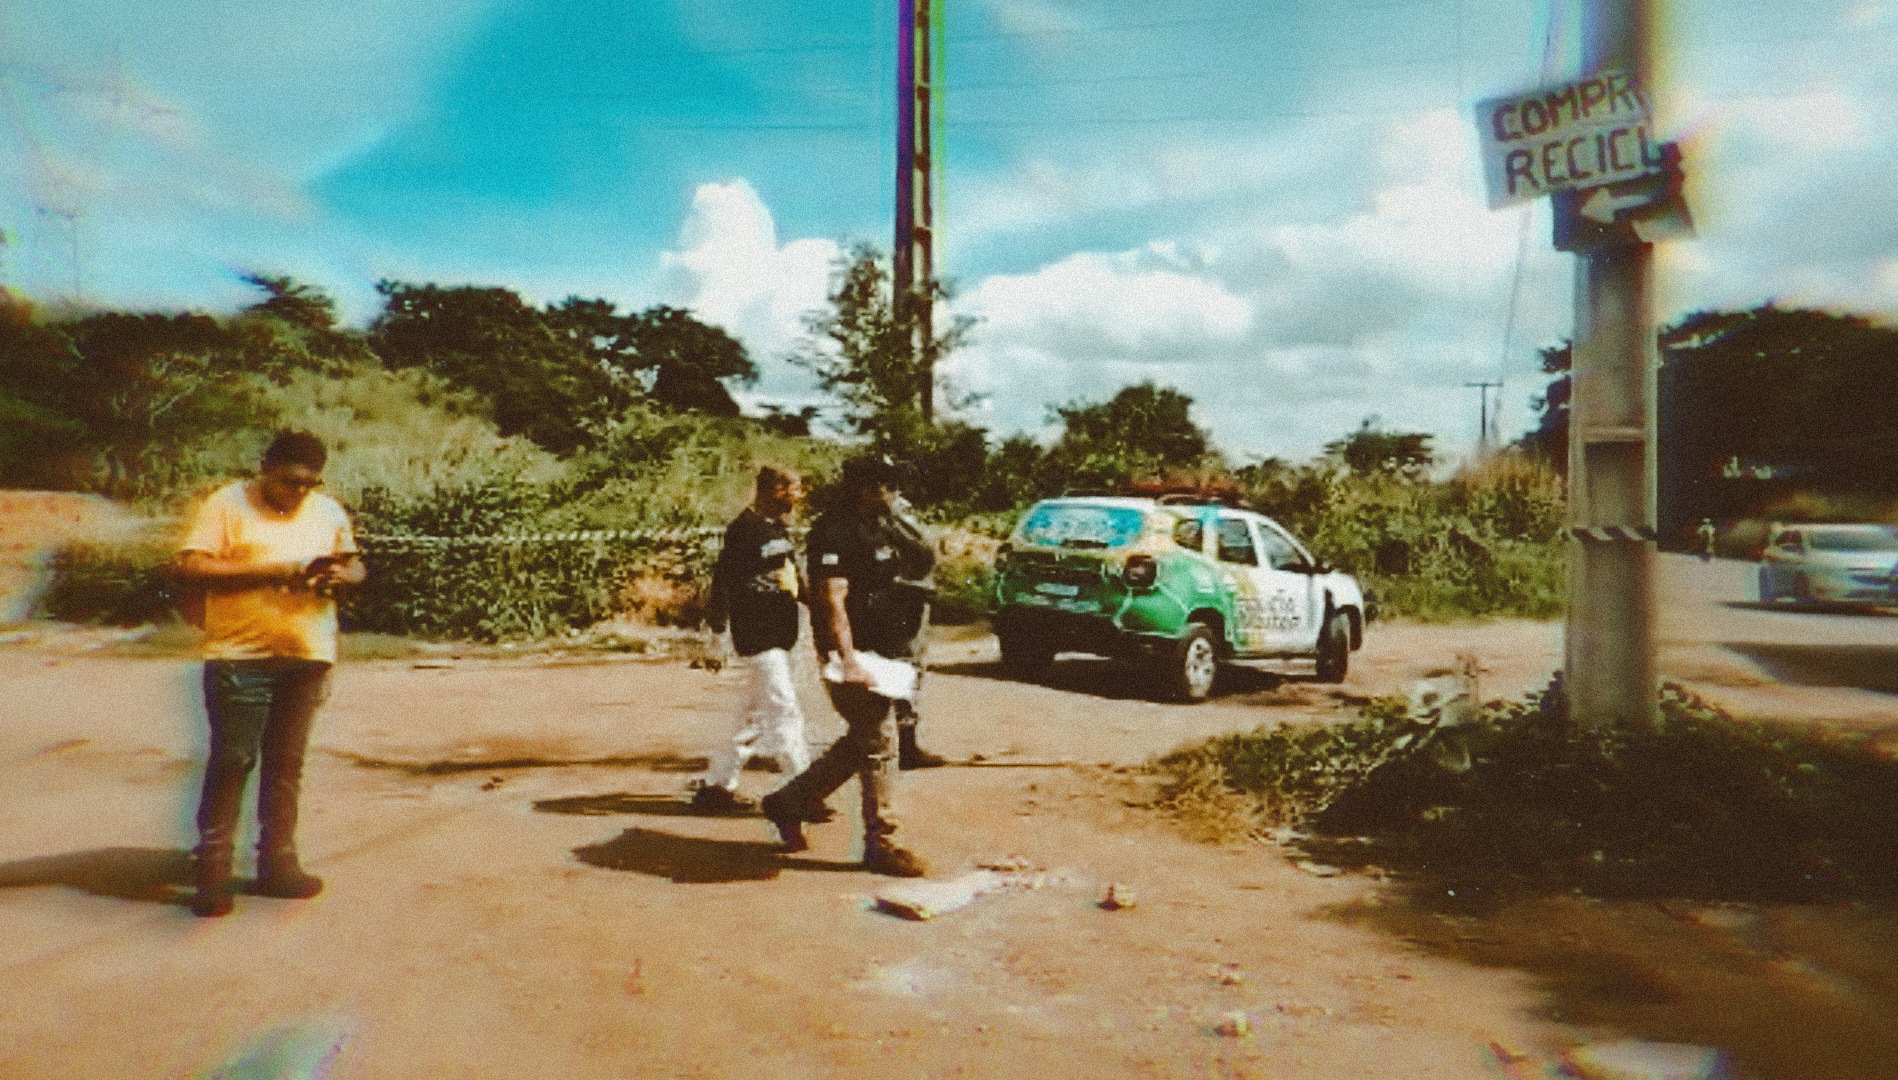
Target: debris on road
x=1234 y=1025
x=924 y=900
x=1634 y=1059
x=1119 y=897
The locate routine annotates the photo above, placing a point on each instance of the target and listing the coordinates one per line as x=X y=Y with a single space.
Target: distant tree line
x=89 y=398
x=1766 y=413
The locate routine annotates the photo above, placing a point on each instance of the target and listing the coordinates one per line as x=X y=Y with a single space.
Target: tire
x=1026 y=655
x=1191 y=665
x=1802 y=589
x=1334 y=648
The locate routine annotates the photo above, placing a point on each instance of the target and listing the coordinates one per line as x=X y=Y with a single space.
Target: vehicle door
x=1237 y=550
x=1295 y=601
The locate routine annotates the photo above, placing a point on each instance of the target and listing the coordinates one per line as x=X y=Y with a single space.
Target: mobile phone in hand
x=322 y=565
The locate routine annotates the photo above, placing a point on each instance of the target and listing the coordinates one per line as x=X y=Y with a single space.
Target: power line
x=1167 y=24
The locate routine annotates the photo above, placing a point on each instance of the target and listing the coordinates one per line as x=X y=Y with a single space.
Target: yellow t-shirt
x=271 y=621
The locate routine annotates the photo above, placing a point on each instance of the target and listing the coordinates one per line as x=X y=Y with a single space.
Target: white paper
x=888 y=678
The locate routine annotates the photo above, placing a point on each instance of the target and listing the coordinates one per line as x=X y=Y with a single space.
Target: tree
x=690 y=361
x=117 y=402
x=865 y=353
x=1549 y=440
x=42 y=439
x=1373 y=451
x=1757 y=406
x=293 y=302
x=1143 y=431
x=539 y=382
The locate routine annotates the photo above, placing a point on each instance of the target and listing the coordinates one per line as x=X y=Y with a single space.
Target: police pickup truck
x=1179 y=585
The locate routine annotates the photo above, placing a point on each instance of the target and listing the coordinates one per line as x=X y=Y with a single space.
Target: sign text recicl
x=1581 y=134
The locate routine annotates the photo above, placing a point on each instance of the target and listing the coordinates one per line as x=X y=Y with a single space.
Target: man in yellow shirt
x=268 y=554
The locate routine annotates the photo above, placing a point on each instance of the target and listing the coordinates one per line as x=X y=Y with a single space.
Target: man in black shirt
x=866 y=615
x=756 y=588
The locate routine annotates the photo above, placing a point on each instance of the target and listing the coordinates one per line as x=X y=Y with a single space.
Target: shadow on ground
x=665 y=763
x=1119 y=679
x=157 y=875
x=1867 y=667
x=626 y=802
x=695 y=860
x=1792 y=991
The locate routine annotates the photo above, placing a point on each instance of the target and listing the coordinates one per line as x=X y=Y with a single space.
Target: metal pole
x=1610 y=642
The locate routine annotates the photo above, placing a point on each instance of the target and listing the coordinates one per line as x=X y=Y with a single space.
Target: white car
x=1832 y=564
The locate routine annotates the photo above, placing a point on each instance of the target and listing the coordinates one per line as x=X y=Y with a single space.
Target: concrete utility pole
x=912 y=261
x=1610 y=642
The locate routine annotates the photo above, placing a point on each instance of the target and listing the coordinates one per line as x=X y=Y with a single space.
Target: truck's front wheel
x=1192 y=664
x=1334 y=648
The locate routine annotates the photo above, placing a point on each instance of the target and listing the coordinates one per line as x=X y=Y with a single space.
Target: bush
x=120 y=584
x=486 y=589
x=1701 y=804
x=1487 y=541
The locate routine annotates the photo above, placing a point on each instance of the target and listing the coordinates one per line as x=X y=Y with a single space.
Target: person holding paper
x=866 y=616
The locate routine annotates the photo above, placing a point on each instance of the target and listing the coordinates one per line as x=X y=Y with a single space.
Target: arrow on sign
x=1602 y=206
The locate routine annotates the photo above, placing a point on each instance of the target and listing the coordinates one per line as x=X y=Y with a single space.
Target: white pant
x=772 y=724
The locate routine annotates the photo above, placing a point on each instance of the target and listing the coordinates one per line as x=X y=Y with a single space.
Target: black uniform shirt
x=755 y=585
x=887 y=563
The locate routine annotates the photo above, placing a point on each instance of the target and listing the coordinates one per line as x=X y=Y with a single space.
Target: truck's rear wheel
x=1334 y=648
x=1192 y=665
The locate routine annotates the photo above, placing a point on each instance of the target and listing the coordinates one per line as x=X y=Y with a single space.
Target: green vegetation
x=467 y=411
x=1702 y=805
x=1486 y=541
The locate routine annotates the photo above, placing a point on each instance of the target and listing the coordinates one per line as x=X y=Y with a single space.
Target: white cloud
x=1114 y=306
x=1288 y=318
x=732 y=272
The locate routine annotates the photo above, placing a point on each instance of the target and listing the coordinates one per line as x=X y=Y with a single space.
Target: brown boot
x=893 y=860
x=279 y=875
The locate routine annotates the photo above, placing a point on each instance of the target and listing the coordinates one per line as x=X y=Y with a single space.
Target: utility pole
x=1484 y=439
x=1610 y=641
x=912 y=261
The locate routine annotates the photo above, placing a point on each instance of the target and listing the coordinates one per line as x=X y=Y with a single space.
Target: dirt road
x=513 y=891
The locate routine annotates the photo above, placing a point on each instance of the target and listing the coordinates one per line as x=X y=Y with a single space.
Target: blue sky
x=1271 y=204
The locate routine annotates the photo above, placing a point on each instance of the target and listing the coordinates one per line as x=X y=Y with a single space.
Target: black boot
x=911 y=756
x=279 y=875
x=211 y=872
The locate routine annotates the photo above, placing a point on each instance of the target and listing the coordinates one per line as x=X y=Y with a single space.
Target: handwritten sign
x=1579 y=135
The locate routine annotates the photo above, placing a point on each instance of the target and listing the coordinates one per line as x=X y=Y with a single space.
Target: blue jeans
x=260 y=711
